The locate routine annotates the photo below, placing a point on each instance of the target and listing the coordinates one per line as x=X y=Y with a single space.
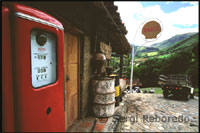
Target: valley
x=176 y=44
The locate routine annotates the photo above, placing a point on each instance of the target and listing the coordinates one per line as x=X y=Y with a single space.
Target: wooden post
x=121 y=65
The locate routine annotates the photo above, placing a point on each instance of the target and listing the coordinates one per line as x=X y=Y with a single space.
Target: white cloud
x=134 y=15
x=184 y=16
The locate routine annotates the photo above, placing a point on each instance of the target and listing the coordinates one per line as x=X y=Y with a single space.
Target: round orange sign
x=151 y=29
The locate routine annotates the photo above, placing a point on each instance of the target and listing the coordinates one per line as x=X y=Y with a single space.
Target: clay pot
x=100 y=62
x=100 y=56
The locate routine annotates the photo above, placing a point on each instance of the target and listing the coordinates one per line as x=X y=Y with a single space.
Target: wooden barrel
x=104 y=97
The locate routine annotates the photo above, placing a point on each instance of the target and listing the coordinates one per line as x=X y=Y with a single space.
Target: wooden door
x=71 y=66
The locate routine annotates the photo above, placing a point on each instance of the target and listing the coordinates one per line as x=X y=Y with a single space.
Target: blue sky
x=185 y=26
x=175 y=17
x=167 y=7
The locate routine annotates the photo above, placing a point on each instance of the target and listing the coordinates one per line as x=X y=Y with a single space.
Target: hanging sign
x=151 y=30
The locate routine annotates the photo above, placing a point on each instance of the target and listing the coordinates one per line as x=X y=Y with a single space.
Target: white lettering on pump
x=43 y=58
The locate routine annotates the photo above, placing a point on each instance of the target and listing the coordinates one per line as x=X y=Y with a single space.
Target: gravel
x=153 y=113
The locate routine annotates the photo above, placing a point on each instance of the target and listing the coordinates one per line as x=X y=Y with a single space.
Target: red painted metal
x=32 y=105
x=35 y=13
x=7 y=92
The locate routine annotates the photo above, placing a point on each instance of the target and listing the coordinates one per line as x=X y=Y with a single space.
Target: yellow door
x=71 y=65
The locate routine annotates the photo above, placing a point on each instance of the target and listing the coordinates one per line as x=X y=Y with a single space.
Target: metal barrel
x=104 y=97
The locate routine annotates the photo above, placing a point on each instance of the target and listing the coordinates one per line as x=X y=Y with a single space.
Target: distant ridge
x=176 y=44
x=167 y=43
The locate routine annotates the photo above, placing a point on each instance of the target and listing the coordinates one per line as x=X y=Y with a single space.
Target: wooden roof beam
x=108 y=13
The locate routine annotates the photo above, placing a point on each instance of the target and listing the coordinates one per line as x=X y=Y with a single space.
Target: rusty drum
x=104 y=97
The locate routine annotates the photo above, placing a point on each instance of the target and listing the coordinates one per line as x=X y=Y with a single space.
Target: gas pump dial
x=41 y=38
x=43 y=58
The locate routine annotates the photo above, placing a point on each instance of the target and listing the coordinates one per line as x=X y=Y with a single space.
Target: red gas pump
x=35 y=70
x=7 y=90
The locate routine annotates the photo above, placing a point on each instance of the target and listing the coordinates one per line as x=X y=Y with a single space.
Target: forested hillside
x=179 y=57
x=167 y=43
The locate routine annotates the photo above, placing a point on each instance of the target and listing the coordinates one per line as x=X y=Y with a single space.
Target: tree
x=192 y=71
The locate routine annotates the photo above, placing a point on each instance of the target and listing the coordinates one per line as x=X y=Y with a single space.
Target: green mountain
x=184 y=45
x=175 y=39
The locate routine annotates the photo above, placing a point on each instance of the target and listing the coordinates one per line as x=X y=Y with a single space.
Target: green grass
x=164 y=56
x=152 y=53
x=157 y=90
x=196 y=91
x=148 y=54
x=144 y=54
x=141 y=48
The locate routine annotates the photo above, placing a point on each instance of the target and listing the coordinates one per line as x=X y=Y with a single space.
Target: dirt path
x=151 y=112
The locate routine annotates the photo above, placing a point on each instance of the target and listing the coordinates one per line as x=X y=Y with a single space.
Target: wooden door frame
x=73 y=32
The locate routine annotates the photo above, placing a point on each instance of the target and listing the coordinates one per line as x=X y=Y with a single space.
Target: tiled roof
x=121 y=44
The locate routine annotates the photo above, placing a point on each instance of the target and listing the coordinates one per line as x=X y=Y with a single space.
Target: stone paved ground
x=151 y=112
x=86 y=125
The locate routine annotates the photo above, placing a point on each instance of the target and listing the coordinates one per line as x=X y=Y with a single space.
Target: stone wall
x=86 y=75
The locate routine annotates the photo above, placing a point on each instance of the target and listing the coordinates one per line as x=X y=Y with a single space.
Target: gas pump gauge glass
x=43 y=58
x=41 y=38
